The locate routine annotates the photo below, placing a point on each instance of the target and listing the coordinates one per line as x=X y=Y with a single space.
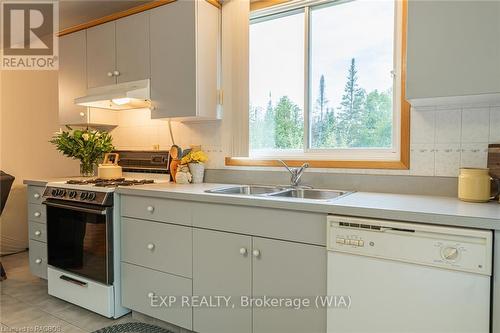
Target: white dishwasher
x=406 y=277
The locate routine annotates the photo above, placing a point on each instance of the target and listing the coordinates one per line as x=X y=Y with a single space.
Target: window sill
x=403 y=164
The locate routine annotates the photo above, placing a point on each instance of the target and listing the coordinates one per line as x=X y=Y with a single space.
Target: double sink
x=280 y=192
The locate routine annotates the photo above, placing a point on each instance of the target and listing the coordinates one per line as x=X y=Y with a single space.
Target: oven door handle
x=77 y=208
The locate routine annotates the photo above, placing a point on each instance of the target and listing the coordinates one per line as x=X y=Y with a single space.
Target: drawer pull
x=151 y=209
x=36 y=195
x=151 y=246
x=74 y=281
x=151 y=294
x=256 y=253
x=37 y=214
x=110 y=74
x=243 y=251
x=38 y=261
x=38 y=233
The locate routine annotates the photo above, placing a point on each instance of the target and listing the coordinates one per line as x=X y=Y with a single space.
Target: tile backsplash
x=443 y=139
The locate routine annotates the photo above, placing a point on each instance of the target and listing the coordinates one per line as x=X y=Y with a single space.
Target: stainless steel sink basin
x=280 y=192
x=314 y=194
x=246 y=190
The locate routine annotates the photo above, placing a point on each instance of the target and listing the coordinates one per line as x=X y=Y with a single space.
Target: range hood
x=121 y=96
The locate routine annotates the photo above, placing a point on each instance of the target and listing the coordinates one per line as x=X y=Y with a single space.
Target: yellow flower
x=85 y=136
x=195 y=157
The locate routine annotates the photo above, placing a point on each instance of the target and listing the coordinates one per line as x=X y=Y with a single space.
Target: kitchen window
x=326 y=84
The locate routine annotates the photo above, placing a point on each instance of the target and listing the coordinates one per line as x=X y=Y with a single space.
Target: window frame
x=365 y=158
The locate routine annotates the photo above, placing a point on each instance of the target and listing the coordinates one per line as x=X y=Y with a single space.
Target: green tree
x=288 y=125
x=321 y=122
x=377 y=120
x=351 y=109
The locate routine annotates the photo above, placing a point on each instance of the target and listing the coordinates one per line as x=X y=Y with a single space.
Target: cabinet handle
x=38 y=261
x=151 y=209
x=151 y=246
x=36 y=195
x=110 y=74
x=116 y=73
x=256 y=253
x=37 y=214
x=82 y=114
x=38 y=233
x=243 y=251
x=151 y=294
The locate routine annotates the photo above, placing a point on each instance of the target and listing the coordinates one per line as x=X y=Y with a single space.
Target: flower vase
x=87 y=169
x=197 y=171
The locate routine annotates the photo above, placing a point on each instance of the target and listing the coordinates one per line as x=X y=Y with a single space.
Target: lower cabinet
x=231 y=281
x=37 y=231
x=38 y=258
x=226 y=264
x=144 y=290
x=222 y=266
x=287 y=269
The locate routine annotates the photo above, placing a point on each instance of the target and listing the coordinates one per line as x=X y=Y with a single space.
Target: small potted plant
x=88 y=146
x=196 y=162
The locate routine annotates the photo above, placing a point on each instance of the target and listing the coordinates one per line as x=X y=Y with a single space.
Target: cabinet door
x=173 y=60
x=101 y=57
x=132 y=47
x=220 y=269
x=72 y=78
x=286 y=269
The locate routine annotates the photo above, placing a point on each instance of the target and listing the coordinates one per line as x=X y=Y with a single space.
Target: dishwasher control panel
x=462 y=249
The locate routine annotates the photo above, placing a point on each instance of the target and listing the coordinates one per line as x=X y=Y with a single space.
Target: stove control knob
x=54 y=192
x=91 y=196
x=61 y=192
x=83 y=195
x=72 y=194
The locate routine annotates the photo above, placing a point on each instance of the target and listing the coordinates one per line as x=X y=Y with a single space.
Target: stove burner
x=99 y=182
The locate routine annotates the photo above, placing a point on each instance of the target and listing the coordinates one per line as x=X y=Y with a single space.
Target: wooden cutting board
x=494 y=160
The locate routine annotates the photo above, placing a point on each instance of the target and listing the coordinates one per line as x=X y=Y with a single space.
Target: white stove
x=83 y=233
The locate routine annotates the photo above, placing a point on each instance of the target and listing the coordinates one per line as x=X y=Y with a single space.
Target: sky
x=277 y=51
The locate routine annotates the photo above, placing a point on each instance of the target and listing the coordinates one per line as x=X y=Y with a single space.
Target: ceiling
x=74 y=12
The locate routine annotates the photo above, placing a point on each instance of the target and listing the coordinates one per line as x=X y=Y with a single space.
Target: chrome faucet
x=295 y=172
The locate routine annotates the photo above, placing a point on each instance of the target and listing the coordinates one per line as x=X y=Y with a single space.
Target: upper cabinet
x=118 y=51
x=72 y=78
x=453 y=49
x=175 y=45
x=132 y=48
x=185 y=43
x=73 y=84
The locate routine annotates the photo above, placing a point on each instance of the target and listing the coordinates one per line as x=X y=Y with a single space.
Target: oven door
x=80 y=239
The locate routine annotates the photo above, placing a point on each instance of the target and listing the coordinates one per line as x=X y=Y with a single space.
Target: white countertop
x=403 y=207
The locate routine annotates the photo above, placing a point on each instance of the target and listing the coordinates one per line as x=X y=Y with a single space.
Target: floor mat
x=132 y=328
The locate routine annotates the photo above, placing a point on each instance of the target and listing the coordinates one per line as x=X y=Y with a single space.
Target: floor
x=25 y=305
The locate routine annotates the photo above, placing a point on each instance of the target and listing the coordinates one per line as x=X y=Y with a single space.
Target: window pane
x=277 y=84
x=351 y=82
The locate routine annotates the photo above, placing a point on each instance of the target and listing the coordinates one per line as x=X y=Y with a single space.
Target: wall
x=28 y=118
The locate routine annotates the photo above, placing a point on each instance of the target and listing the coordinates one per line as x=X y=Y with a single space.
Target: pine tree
x=319 y=119
x=351 y=109
x=288 y=125
x=269 y=125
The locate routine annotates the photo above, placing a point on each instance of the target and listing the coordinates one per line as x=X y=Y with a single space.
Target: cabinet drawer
x=142 y=286
x=35 y=194
x=288 y=225
x=165 y=210
x=161 y=246
x=36 y=213
x=37 y=231
x=38 y=258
